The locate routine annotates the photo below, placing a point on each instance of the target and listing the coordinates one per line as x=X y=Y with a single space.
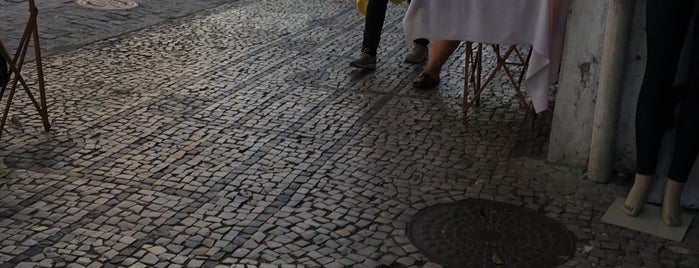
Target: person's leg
x=666 y=27
x=373 y=24
x=418 y=51
x=441 y=50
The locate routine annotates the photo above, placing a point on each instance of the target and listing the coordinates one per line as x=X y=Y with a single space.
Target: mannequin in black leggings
x=667 y=23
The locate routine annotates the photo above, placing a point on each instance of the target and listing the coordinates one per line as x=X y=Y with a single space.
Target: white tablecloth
x=540 y=23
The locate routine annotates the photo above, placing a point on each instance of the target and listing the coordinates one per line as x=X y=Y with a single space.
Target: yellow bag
x=362 y=4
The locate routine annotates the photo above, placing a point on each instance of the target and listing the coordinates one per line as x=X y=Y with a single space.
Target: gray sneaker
x=365 y=61
x=417 y=54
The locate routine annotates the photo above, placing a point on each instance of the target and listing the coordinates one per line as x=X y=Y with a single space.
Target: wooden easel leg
x=16 y=63
x=43 y=110
x=467 y=80
x=479 y=72
x=473 y=69
x=16 y=69
x=516 y=84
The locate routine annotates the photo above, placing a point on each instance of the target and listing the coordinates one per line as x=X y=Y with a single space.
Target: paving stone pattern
x=64 y=25
x=239 y=137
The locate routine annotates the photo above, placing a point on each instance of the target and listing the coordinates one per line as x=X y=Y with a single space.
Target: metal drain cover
x=483 y=233
x=107 y=4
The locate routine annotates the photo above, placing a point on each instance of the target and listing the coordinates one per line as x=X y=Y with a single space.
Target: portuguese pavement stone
x=234 y=134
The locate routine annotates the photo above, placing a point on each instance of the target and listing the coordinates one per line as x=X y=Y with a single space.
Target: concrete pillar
x=571 y=129
x=606 y=119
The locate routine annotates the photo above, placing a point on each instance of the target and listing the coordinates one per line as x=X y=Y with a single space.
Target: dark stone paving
x=64 y=25
x=239 y=137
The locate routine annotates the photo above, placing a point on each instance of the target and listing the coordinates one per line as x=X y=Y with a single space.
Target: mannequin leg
x=672 y=213
x=633 y=206
x=686 y=142
x=666 y=27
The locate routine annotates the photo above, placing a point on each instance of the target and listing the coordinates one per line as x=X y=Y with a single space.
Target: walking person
x=373 y=24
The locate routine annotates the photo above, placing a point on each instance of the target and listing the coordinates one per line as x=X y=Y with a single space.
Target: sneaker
x=417 y=54
x=365 y=61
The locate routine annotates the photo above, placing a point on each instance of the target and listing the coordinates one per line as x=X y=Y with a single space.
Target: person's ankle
x=432 y=74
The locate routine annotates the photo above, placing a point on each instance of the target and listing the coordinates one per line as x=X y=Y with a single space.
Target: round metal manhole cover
x=483 y=233
x=107 y=4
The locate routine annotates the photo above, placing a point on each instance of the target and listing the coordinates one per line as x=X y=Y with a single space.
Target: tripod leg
x=43 y=111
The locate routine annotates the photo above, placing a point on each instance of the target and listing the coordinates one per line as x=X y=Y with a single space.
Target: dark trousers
x=4 y=75
x=373 y=24
x=667 y=25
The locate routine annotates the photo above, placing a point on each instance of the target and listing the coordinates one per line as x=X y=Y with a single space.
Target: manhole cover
x=482 y=233
x=107 y=4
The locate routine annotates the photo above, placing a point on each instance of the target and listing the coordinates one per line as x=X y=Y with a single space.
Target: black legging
x=373 y=24
x=667 y=23
x=4 y=77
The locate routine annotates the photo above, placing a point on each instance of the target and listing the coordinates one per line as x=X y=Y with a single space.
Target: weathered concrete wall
x=575 y=101
x=574 y=109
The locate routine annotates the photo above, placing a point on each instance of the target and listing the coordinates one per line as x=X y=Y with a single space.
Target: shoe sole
x=426 y=86
x=416 y=61
x=368 y=66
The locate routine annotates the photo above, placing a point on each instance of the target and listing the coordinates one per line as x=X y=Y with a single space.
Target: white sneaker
x=417 y=54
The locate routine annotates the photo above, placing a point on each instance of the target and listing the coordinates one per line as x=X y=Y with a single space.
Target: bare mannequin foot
x=672 y=214
x=637 y=195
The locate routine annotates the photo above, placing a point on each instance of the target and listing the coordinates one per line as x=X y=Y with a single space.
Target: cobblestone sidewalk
x=239 y=137
x=64 y=25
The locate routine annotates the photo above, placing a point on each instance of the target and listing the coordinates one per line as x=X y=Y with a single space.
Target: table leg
x=468 y=78
x=516 y=84
x=43 y=110
x=473 y=73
